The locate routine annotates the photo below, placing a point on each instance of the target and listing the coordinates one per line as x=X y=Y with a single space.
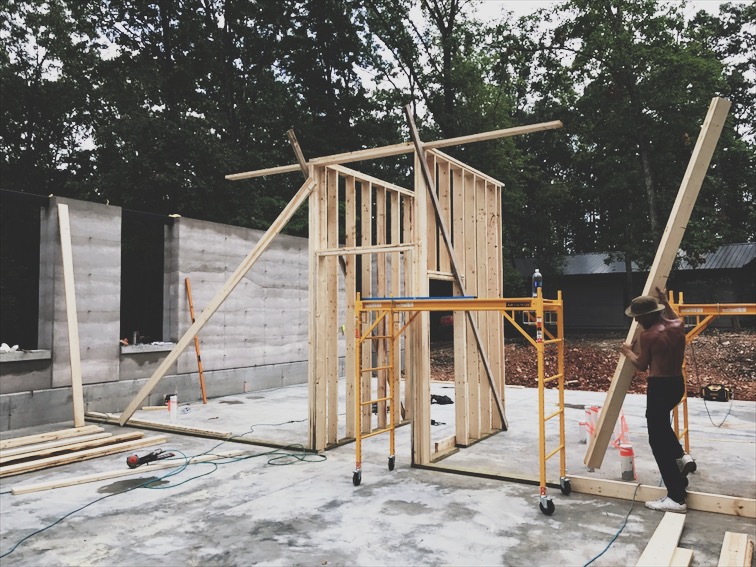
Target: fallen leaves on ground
x=714 y=357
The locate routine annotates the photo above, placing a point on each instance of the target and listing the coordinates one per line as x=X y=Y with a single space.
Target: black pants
x=662 y=396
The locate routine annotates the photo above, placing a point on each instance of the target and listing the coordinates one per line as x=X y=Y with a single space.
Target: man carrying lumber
x=662 y=352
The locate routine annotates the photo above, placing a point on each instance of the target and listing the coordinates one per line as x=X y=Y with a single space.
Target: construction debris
x=36 y=452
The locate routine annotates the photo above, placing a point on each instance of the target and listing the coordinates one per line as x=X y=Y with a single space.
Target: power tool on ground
x=135 y=461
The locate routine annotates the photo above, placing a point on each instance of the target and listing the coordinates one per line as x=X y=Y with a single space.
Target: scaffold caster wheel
x=357 y=478
x=391 y=461
x=546 y=505
x=565 y=485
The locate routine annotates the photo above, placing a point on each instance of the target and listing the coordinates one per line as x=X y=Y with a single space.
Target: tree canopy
x=148 y=104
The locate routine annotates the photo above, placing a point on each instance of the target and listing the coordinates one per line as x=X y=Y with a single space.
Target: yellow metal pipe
x=556 y=413
x=554 y=452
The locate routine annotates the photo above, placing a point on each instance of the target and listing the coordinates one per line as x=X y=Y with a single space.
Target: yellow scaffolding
x=383 y=325
x=699 y=316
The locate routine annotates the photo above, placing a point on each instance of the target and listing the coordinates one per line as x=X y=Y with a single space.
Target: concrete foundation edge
x=55 y=405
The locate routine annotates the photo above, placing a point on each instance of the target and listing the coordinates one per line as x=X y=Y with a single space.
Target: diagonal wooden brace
x=220 y=297
x=455 y=270
x=659 y=272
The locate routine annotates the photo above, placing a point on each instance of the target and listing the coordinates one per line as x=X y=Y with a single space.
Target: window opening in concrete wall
x=142 y=276
x=19 y=276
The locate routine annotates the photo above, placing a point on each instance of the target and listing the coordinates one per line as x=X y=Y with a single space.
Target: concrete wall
x=258 y=338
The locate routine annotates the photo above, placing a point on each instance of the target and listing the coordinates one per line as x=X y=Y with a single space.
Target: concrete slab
x=282 y=507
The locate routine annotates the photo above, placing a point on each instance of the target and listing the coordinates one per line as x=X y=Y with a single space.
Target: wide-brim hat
x=643 y=305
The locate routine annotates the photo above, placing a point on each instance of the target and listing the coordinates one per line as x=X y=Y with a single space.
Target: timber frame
x=377 y=239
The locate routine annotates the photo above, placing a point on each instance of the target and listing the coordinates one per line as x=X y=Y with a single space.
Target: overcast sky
x=492 y=8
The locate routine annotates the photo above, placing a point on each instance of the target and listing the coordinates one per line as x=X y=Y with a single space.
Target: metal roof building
x=595 y=290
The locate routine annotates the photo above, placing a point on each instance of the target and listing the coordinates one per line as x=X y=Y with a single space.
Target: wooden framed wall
x=391 y=243
x=368 y=222
x=470 y=205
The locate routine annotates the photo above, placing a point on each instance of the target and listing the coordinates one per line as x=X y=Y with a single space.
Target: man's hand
x=662 y=293
x=669 y=313
x=627 y=350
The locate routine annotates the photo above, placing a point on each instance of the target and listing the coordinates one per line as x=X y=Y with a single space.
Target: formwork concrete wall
x=258 y=338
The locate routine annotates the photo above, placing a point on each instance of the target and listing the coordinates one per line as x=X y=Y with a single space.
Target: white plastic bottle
x=537 y=282
x=173 y=408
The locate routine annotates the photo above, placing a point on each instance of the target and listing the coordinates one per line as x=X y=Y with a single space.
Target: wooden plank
x=481 y=250
x=420 y=330
x=420 y=150
x=681 y=557
x=455 y=163
x=76 y=445
x=366 y=288
x=318 y=310
x=445 y=444
x=701 y=501
x=375 y=181
x=500 y=320
x=166 y=427
x=659 y=271
x=381 y=291
x=399 y=149
x=301 y=161
x=51 y=436
x=350 y=285
x=219 y=298
x=143 y=470
x=396 y=291
x=331 y=319
x=410 y=279
x=472 y=416
x=493 y=276
x=313 y=373
x=13 y=454
x=48 y=462
x=459 y=210
x=365 y=250
x=432 y=234
x=737 y=551
x=444 y=200
x=661 y=547
x=77 y=391
x=200 y=369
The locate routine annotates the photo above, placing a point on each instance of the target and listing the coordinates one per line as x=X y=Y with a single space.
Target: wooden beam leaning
x=298 y=153
x=659 y=272
x=419 y=148
x=77 y=392
x=219 y=298
x=399 y=149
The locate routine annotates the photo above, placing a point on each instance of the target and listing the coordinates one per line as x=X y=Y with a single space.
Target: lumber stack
x=36 y=452
x=662 y=549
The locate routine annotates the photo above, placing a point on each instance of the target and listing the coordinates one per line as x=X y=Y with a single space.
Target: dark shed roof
x=729 y=256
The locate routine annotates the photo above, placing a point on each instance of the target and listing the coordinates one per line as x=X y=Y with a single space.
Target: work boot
x=666 y=504
x=686 y=464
